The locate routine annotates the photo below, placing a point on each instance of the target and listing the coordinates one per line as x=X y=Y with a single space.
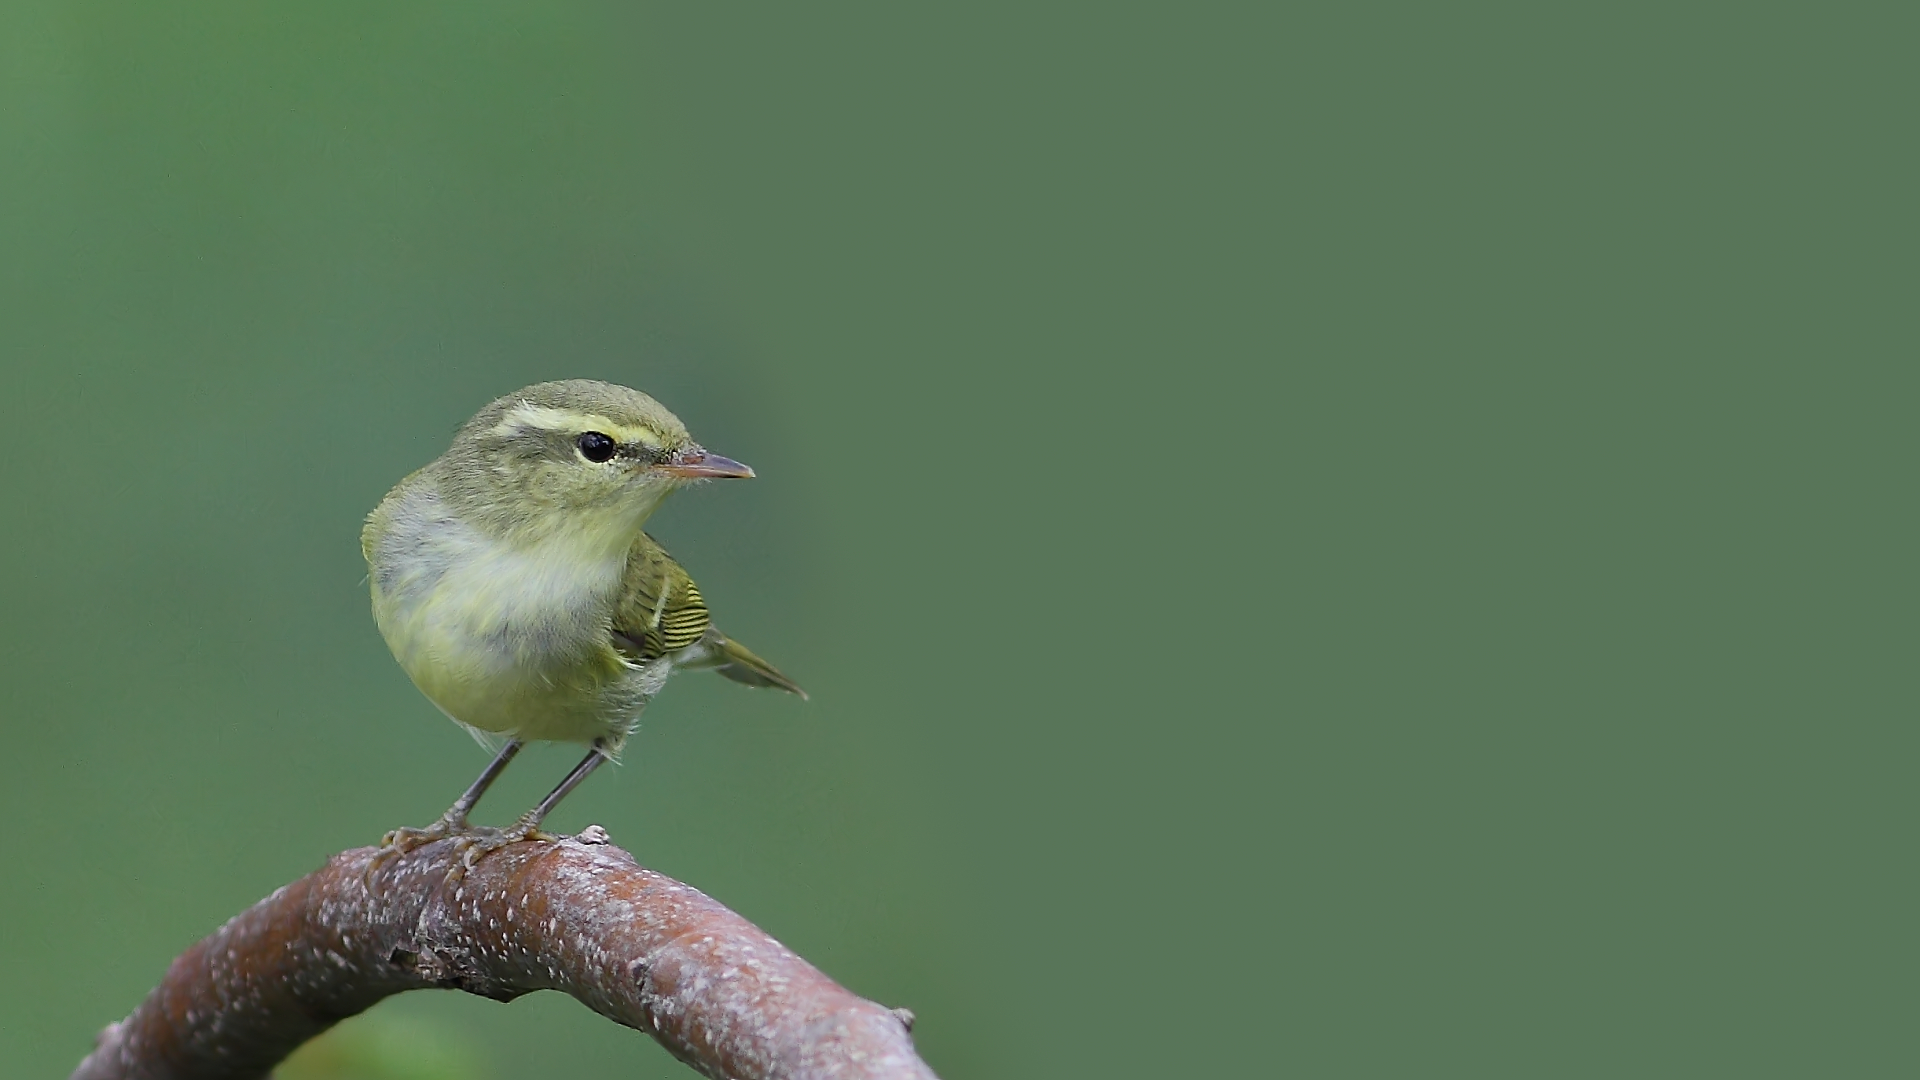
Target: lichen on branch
x=577 y=915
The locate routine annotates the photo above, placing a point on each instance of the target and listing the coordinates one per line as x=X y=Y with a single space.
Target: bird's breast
x=506 y=639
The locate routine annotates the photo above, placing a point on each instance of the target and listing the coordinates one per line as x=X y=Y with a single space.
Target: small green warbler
x=513 y=581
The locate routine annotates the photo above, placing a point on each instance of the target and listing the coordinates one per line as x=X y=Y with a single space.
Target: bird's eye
x=595 y=447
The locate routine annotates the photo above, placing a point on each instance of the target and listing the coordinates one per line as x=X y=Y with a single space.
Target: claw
x=477 y=844
x=404 y=840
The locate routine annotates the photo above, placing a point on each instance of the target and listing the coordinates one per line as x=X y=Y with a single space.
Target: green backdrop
x=1342 y=541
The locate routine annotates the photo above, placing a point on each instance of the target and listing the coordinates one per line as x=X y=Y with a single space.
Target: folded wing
x=660 y=613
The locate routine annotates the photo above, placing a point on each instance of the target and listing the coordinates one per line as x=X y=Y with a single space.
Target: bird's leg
x=528 y=827
x=454 y=821
x=477 y=844
x=456 y=815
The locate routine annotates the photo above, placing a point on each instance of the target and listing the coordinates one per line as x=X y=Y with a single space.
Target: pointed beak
x=693 y=463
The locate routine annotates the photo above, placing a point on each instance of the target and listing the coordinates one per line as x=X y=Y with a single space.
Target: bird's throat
x=582 y=536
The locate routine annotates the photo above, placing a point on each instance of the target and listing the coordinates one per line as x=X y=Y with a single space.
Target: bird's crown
x=572 y=407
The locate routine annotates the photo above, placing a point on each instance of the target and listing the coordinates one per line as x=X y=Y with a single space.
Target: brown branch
x=577 y=915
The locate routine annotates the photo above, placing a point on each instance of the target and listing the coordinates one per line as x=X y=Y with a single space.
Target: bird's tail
x=737 y=662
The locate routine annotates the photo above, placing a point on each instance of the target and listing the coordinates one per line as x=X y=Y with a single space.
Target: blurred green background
x=1338 y=541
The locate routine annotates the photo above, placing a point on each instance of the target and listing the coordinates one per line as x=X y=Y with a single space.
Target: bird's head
x=579 y=458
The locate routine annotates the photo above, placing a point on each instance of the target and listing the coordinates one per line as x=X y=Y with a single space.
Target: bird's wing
x=660 y=612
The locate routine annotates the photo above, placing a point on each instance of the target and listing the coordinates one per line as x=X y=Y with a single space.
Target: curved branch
x=577 y=915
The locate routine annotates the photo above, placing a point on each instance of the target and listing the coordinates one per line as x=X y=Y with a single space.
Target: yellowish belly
x=526 y=658
x=563 y=706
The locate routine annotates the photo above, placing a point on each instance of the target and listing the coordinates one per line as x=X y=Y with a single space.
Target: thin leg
x=454 y=821
x=529 y=823
x=456 y=814
x=477 y=843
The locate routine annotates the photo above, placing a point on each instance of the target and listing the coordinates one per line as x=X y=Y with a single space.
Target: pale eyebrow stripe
x=547 y=418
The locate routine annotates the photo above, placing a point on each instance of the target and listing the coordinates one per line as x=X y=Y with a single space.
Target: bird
x=514 y=581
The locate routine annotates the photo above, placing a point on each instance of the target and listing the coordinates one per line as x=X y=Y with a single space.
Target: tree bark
x=577 y=915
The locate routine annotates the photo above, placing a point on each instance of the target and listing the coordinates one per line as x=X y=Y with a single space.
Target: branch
x=578 y=915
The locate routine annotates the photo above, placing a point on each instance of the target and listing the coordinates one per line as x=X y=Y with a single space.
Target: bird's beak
x=694 y=463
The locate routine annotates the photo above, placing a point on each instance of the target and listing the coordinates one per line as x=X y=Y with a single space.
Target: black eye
x=595 y=446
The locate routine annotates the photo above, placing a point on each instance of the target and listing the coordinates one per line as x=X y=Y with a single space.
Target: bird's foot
x=475 y=844
x=405 y=839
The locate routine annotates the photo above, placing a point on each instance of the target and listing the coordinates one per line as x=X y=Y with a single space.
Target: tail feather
x=737 y=662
